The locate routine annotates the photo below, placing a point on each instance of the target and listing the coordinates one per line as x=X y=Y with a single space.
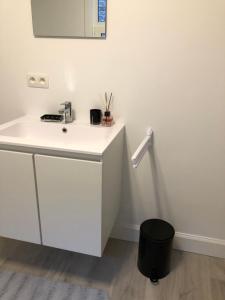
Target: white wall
x=165 y=63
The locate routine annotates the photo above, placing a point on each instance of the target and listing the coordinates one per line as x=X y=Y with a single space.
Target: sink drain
x=64 y=130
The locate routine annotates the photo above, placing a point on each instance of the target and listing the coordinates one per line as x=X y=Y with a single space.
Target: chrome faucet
x=66 y=112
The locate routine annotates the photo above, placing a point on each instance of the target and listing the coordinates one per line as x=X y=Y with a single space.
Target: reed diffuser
x=107 y=119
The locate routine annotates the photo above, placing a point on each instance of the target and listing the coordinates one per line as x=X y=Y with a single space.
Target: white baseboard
x=182 y=241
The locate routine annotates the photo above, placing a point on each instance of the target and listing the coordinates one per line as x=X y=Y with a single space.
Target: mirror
x=69 y=18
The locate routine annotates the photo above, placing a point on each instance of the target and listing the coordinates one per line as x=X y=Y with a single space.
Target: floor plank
x=192 y=277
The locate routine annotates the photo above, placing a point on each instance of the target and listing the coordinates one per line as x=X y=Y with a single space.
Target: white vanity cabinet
x=18 y=204
x=70 y=201
x=60 y=188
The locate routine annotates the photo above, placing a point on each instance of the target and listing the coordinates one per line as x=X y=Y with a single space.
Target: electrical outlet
x=35 y=80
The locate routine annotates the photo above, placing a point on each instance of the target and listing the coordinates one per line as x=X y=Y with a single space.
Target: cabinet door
x=18 y=203
x=70 y=193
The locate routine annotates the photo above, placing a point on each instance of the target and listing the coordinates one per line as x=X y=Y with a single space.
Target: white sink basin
x=85 y=138
x=55 y=132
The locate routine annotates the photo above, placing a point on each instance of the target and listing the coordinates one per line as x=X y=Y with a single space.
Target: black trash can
x=155 y=246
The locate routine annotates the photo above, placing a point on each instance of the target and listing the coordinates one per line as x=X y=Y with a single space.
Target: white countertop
x=82 y=138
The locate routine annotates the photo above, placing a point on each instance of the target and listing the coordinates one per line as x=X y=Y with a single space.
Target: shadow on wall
x=144 y=193
x=164 y=210
x=130 y=188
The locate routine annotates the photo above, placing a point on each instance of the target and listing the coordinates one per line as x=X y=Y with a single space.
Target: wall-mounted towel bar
x=142 y=149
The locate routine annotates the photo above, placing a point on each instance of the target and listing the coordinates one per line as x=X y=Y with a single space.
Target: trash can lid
x=157 y=230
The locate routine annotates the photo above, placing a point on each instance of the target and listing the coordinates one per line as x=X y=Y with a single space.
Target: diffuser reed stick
x=107 y=119
x=108 y=101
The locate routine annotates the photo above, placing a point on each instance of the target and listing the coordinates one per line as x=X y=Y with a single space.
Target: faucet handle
x=67 y=112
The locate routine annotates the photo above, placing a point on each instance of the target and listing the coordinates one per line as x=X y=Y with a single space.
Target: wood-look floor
x=193 y=277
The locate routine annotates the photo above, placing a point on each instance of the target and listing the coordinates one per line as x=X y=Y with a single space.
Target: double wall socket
x=35 y=80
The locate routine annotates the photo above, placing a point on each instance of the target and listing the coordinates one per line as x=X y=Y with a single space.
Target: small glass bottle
x=107 y=119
